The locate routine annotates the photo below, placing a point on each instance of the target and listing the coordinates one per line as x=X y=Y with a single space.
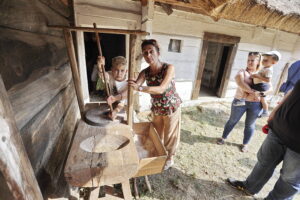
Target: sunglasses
x=254 y=54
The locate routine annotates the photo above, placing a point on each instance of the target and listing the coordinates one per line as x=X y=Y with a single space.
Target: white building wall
x=191 y=27
x=185 y=62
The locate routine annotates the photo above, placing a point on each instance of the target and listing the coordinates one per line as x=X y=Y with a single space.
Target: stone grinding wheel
x=98 y=116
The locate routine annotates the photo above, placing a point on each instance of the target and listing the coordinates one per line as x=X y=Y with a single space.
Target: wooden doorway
x=216 y=59
x=112 y=45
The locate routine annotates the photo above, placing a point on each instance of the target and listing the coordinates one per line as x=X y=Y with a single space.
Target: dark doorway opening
x=215 y=64
x=112 y=45
x=214 y=70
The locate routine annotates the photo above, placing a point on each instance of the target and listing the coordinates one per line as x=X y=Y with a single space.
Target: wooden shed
x=207 y=41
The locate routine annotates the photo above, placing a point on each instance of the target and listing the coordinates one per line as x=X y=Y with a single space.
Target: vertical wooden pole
x=282 y=75
x=132 y=56
x=74 y=68
x=107 y=87
x=14 y=162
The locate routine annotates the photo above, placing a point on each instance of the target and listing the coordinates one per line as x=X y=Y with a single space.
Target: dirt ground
x=201 y=166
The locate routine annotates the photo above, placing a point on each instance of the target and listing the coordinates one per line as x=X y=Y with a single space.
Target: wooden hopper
x=155 y=161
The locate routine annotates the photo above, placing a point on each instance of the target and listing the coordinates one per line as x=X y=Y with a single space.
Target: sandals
x=244 y=148
x=220 y=141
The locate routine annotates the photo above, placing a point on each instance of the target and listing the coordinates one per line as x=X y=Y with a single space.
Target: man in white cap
x=281 y=145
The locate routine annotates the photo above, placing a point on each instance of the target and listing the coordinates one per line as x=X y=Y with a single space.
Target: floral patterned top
x=168 y=102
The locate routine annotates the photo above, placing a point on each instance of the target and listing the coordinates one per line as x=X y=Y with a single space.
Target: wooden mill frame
x=219 y=38
x=75 y=68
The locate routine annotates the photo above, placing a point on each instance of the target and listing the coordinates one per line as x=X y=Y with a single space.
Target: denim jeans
x=252 y=109
x=270 y=154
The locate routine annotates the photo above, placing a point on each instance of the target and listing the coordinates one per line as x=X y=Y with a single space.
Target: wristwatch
x=140 y=88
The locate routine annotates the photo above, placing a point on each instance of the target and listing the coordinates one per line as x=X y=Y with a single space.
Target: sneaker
x=240 y=102
x=244 y=148
x=169 y=164
x=265 y=113
x=238 y=185
x=220 y=141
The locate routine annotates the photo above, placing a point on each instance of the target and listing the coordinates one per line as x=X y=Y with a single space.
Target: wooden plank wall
x=34 y=66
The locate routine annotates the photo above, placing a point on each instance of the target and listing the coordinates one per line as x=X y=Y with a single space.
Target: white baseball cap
x=273 y=53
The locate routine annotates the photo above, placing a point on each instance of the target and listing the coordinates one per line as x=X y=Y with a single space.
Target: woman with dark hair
x=252 y=106
x=166 y=112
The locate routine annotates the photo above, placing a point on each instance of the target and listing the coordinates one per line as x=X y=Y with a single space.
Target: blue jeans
x=252 y=109
x=270 y=154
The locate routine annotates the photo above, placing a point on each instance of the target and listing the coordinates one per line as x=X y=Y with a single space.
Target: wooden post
x=132 y=55
x=74 y=68
x=14 y=162
x=282 y=75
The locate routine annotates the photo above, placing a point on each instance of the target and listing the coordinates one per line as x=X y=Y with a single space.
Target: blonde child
x=117 y=79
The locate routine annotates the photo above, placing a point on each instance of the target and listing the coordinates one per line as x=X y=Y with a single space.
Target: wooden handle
x=107 y=87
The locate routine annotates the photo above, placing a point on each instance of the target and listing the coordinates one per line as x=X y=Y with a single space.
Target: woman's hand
x=133 y=84
x=111 y=99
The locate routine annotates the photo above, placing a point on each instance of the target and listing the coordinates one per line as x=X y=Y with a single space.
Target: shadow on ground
x=180 y=186
x=214 y=116
x=187 y=137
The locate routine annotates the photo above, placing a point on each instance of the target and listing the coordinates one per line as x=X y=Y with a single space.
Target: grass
x=201 y=166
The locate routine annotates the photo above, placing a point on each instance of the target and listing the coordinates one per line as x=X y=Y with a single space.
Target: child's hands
x=100 y=61
x=254 y=76
x=112 y=115
x=111 y=99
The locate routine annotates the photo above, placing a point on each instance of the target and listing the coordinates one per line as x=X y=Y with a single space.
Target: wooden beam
x=30 y=97
x=167 y=8
x=40 y=135
x=203 y=6
x=221 y=38
x=132 y=56
x=100 y=30
x=144 y=2
x=197 y=85
x=14 y=163
x=74 y=68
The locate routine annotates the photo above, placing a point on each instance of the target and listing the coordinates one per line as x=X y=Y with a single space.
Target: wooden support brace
x=74 y=68
x=126 y=190
x=100 y=30
x=14 y=162
x=132 y=56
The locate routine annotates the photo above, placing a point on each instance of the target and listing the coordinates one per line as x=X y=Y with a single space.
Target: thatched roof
x=278 y=14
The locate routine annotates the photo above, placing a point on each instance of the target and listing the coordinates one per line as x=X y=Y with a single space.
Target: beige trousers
x=168 y=129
